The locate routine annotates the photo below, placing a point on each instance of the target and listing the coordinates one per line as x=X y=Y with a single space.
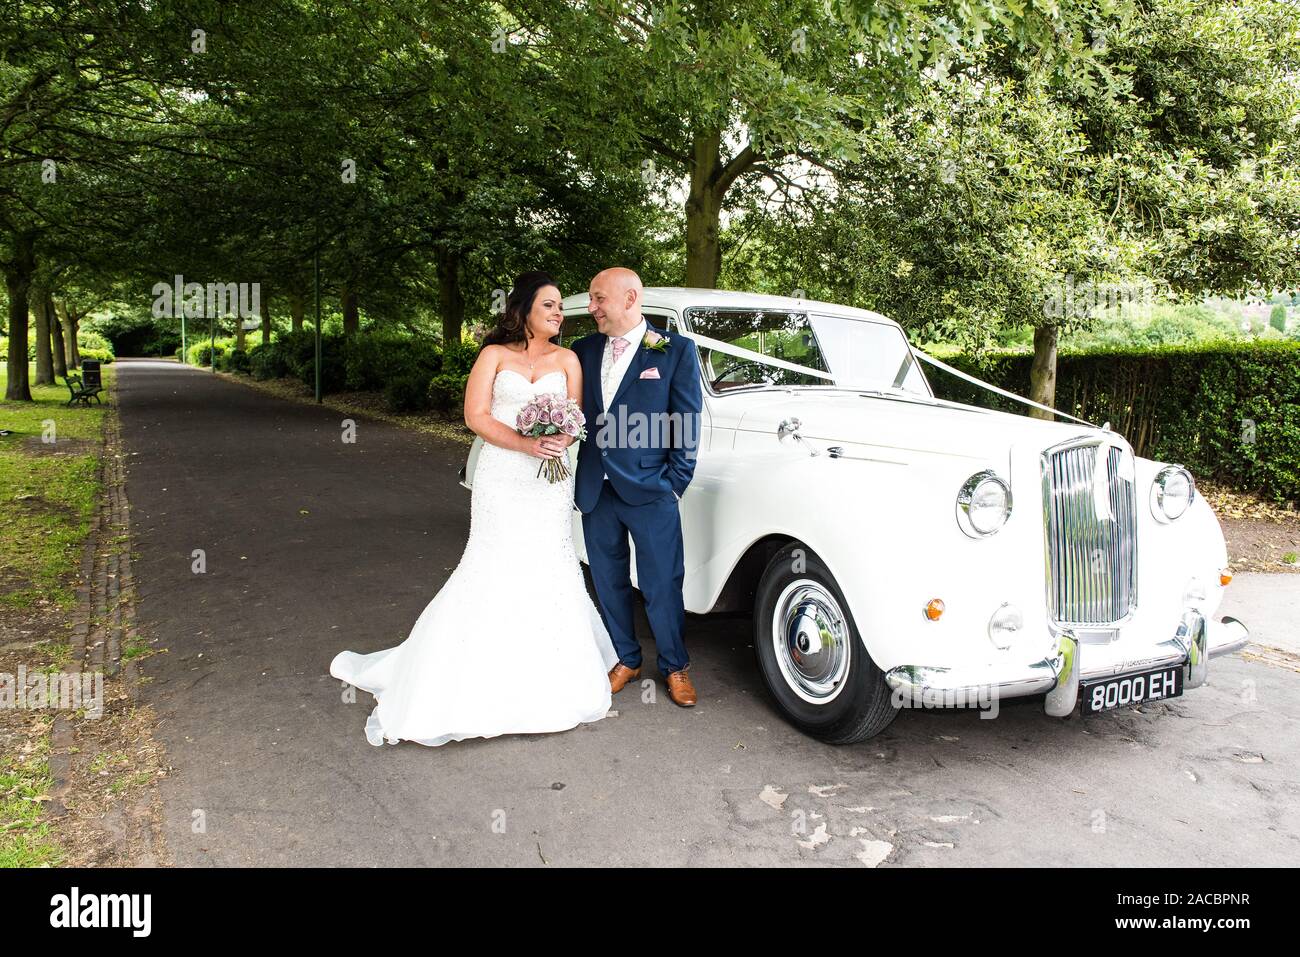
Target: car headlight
x=1172 y=493
x=1005 y=625
x=983 y=504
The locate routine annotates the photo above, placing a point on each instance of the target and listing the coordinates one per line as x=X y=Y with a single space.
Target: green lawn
x=25 y=840
x=47 y=497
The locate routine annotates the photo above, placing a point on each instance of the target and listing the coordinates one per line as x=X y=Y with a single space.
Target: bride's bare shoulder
x=568 y=358
x=492 y=355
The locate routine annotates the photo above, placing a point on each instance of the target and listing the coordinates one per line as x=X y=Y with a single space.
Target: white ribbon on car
x=992 y=388
x=741 y=353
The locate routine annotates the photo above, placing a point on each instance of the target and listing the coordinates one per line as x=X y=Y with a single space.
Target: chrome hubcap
x=811 y=641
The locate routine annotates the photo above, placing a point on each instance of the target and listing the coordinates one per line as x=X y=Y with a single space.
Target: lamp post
x=317 y=283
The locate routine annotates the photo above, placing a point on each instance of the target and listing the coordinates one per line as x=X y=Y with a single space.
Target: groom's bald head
x=616 y=300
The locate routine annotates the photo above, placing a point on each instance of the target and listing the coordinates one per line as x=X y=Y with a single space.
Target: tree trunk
x=351 y=317
x=296 y=307
x=703 y=208
x=56 y=340
x=44 y=355
x=18 y=282
x=1042 y=374
x=75 y=318
x=451 y=297
x=266 y=320
x=68 y=316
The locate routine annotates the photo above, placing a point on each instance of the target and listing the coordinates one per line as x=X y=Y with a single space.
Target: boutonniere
x=655 y=341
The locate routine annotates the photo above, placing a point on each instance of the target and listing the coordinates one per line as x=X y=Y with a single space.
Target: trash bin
x=90 y=373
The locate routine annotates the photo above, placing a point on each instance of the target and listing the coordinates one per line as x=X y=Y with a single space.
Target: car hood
x=901 y=424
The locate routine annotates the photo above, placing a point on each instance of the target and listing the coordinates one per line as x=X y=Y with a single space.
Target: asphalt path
x=312 y=545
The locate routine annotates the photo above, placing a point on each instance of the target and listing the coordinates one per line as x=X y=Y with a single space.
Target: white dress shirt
x=619 y=369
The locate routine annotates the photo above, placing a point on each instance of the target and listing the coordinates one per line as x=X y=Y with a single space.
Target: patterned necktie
x=614 y=349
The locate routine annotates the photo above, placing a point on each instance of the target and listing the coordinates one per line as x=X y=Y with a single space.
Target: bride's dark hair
x=512 y=326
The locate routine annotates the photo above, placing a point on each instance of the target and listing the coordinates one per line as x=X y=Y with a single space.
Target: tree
x=724 y=93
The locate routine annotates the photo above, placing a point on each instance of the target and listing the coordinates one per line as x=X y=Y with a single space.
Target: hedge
x=1228 y=411
x=413 y=374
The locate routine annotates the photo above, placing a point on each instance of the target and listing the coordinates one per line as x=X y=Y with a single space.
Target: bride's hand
x=542 y=447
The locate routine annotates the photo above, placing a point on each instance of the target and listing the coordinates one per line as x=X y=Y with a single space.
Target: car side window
x=781 y=335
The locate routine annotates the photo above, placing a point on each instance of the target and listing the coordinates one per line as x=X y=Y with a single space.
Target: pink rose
x=527 y=418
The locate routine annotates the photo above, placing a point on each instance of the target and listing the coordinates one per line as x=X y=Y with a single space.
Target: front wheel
x=811 y=656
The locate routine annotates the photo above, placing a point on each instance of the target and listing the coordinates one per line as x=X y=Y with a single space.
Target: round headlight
x=1005 y=625
x=1172 y=493
x=983 y=504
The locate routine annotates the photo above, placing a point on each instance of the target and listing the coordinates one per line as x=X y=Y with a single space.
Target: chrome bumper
x=1059 y=675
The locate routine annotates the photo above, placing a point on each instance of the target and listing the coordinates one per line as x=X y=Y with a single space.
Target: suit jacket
x=647 y=440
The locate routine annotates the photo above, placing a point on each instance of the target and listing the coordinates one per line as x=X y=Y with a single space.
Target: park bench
x=80 y=392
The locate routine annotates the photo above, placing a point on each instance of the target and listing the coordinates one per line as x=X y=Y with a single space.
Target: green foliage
x=1229 y=411
x=447 y=391
x=1175 y=324
x=333 y=364
x=88 y=339
x=103 y=355
x=376 y=359
x=460 y=358
x=200 y=353
x=408 y=392
x=413 y=374
x=236 y=360
x=1277 y=318
x=268 y=361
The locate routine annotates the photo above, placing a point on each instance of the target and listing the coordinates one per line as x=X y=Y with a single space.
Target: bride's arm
x=478 y=409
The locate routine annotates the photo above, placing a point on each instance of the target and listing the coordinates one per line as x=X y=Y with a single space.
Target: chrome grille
x=1091 y=559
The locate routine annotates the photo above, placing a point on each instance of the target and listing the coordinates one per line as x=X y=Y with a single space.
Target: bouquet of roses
x=554 y=414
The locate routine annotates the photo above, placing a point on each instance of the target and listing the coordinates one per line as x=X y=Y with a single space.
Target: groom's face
x=609 y=306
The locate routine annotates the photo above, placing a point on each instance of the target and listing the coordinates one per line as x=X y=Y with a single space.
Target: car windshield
x=869 y=355
x=782 y=335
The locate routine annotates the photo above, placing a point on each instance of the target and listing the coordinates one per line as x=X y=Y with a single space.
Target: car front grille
x=1091 y=558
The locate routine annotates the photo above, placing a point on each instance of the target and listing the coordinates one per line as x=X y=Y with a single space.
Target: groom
x=641 y=395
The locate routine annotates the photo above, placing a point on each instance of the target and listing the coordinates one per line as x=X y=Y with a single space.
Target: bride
x=512 y=643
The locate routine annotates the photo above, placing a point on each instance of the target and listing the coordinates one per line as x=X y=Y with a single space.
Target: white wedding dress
x=512 y=643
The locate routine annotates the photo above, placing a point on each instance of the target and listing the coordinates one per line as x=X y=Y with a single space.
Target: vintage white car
x=898 y=550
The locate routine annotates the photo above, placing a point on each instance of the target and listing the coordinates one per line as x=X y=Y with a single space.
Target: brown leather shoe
x=620 y=675
x=681 y=690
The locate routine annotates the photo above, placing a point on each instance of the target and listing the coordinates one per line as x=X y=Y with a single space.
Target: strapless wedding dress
x=512 y=643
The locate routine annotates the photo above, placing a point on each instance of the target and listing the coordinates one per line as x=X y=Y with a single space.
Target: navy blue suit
x=646 y=443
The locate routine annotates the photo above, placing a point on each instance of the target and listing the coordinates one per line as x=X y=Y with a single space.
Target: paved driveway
x=313 y=545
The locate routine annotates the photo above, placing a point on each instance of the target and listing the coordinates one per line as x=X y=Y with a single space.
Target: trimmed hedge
x=413 y=374
x=1228 y=411
x=373 y=361
x=103 y=355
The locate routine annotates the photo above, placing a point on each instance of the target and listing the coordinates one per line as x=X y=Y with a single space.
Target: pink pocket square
x=651 y=373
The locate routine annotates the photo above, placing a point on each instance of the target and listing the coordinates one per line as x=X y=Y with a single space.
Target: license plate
x=1127 y=690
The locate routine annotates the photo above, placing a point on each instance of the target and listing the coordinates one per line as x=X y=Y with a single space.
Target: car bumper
x=1194 y=642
